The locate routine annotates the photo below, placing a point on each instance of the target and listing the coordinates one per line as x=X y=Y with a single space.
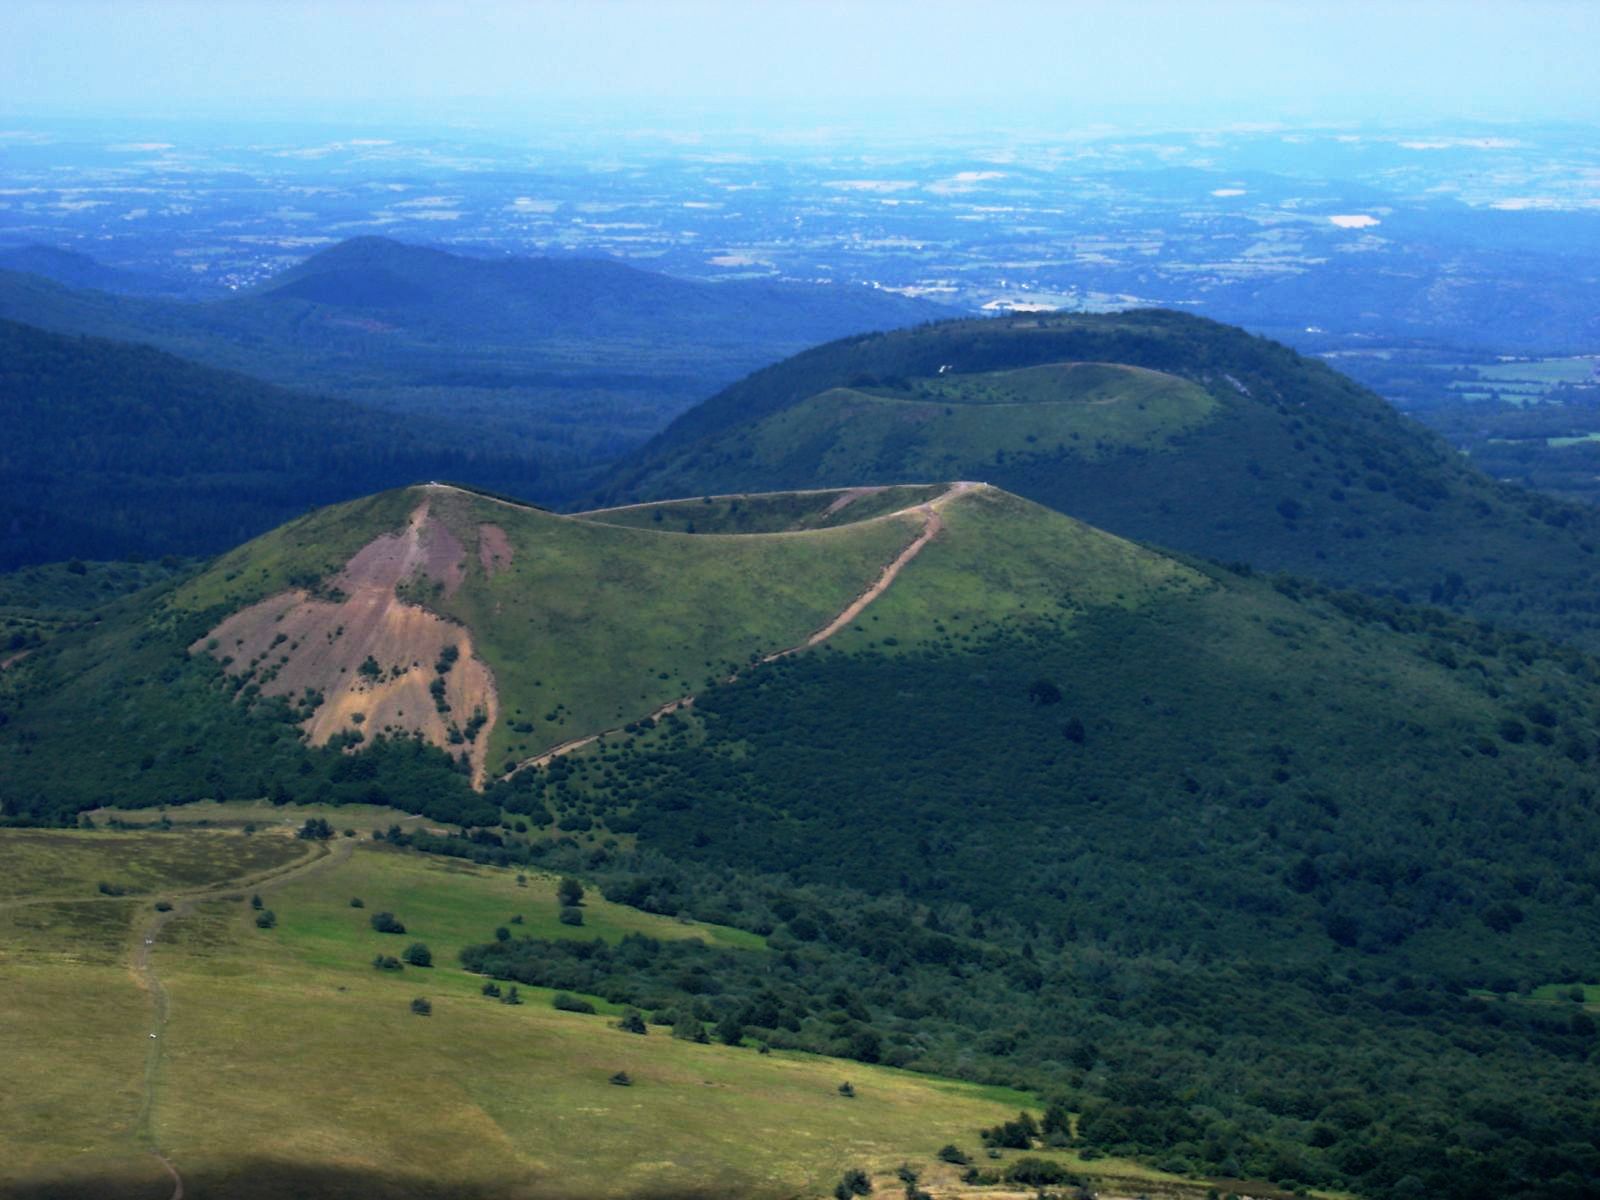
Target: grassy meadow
x=960 y=426
x=289 y=1065
x=768 y=512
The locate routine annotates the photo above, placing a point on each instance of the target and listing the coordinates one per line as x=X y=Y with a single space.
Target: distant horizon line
x=644 y=115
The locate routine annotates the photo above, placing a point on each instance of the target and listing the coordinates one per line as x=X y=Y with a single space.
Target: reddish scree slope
x=294 y=641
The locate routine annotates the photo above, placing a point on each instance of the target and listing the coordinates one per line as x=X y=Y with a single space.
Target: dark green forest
x=115 y=450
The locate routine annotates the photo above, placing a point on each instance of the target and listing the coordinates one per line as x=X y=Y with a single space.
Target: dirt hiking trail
x=141 y=966
x=932 y=526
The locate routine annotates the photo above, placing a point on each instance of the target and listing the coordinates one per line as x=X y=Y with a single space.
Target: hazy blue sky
x=1243 y=59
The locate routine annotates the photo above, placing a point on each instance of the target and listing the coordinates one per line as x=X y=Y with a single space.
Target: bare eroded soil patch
x=376 y=661
x=494 y=550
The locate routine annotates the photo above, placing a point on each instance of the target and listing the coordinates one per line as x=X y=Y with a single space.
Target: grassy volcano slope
x=969 y=423
x=584 y=627
x=767 y=512
x=115 y=449
x=289 y=1066
x=588 y=626
x=1282 y=462
x=1248 y=852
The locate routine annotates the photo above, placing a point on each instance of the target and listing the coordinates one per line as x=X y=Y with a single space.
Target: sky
x=795 y=60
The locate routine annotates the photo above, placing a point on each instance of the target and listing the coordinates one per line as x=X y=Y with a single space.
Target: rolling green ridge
x=769 y=512
x=569 y=361
x=116 y=450
x=81 y=271
x=1258 y=878
x=1206 y=439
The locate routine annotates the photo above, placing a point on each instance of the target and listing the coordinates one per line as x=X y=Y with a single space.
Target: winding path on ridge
x=932 y=525
x=319 y=858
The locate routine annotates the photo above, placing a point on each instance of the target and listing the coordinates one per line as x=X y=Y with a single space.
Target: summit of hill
x=1159 y=426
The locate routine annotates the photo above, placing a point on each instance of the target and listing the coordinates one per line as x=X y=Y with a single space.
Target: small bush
x=570 y=892
x=1036 y=1172
x=1013 y=1135
x=266 y=919
x=632 y=1022
x=622 y=1079
x=854 y=1182
x=571 y=916
x=387 y=962
x=687 y=1028
x=163 y=906
x=418 y=955
x=954 y=1154
x=422 y=1006
x=512 y=996
x=847 y=1090
x=357 y=902
x=569 y=1003
x=386 y=922
x=491 y=989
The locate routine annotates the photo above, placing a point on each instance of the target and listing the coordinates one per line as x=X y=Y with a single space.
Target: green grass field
x=289 y=1065
x=1543 y=372
x=1003 y=559
x=767 y=512
x=955 y=426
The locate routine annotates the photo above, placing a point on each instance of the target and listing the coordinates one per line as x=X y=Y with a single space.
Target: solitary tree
x=570 y=893
x=418 y=955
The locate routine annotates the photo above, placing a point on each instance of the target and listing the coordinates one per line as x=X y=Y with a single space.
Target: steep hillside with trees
x=115 y=450
x=572 y=361
x=1158 y=426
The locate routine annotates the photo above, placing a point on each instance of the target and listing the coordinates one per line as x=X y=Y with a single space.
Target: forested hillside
x=568 y=360
x=1259 y=879
x=1158 y=426
x=114 y=450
